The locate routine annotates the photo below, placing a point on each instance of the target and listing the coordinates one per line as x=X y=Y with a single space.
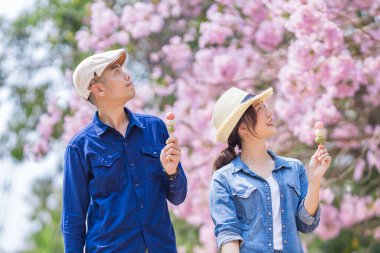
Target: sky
x=17 y=178
x=10 y=9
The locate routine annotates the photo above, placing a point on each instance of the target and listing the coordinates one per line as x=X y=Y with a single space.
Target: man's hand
x=170 y=155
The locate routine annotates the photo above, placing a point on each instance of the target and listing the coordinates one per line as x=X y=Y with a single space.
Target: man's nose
x=127 y=76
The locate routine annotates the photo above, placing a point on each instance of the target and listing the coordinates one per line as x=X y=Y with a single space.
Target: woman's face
x=265 y=127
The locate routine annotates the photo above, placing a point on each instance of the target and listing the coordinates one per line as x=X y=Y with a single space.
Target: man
x=119 y=170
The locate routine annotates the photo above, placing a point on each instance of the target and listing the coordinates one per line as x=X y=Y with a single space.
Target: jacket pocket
x=151 y=161
x=109 y=174
x=295 y=196
x=247 y=203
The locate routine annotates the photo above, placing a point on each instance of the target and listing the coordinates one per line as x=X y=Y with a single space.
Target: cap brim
x=122 y=57
x=229 y=124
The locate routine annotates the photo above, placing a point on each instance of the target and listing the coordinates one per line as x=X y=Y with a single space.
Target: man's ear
x=97 y=89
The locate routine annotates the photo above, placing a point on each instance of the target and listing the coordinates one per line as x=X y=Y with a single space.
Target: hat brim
x=121 y=59
x=229 y=124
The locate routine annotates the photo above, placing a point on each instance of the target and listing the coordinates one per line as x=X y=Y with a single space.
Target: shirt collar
x=101 y=127
x=278 y=163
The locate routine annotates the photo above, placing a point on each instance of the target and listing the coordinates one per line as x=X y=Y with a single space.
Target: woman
x=258 y=200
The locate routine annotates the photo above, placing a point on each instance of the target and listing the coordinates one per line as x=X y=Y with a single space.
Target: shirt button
x=269 y=213
x=141 y=206
x=282 y=195
x=132 y=164
x=270 y=244
x=268 y=198
x=282 y=210
x=285 y=241
x=283 y=226
x=155 y=153
x=137 y=184
x=270 y=229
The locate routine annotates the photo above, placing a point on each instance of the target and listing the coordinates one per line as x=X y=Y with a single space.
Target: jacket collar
x=101 y=127
x=278 y=163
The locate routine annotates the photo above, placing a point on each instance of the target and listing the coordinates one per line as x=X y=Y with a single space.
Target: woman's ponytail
x=227 y=155
x=224 y=157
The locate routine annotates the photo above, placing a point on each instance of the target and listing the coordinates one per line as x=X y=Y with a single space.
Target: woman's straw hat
x=230 y=107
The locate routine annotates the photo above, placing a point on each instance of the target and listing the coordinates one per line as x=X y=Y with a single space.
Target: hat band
x=248 y=97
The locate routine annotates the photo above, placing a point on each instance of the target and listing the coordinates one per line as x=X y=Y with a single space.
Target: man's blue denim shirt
x=115 y=189
x=241 y=206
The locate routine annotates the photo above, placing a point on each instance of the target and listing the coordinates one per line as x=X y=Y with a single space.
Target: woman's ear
x=243 y=129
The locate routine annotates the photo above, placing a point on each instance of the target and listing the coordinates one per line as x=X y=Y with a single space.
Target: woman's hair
x=227 y=155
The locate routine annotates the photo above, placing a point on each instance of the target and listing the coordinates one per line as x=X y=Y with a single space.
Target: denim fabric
x=115 y=190
x=241 y=206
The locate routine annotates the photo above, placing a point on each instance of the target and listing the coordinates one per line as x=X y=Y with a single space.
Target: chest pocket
x=109 y=175
x=247 y=204
x=151 y=162
x=295 y=196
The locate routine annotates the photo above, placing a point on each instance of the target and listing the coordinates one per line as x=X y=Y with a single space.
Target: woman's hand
x=318 y=165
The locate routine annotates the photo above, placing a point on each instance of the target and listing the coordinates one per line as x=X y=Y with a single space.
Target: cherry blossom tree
x=321 y=57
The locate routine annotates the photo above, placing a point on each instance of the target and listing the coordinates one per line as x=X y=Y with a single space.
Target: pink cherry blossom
x=329 y=225
x=306 y=21
x=255 y=10
x=140 y=20
x=177 y=54
x=320 y=57
x=84 y=40
x=305 y=54
x=327 y=196
x=103 y=20
x=376 y=233
x=269 y=35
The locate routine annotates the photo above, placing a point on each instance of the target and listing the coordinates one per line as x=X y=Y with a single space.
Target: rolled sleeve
x=305 y=222
x=223 y=212
x=227 y=236
x=306 y=218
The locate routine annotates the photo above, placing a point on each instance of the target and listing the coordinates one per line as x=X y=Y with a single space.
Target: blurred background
x=321 y=57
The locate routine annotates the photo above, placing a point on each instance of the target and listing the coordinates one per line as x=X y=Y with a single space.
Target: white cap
x=95 y=65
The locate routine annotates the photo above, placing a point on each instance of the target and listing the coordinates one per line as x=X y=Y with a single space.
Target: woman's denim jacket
x=241 y=206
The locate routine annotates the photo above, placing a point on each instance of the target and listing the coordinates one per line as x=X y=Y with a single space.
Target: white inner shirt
x=277 y=228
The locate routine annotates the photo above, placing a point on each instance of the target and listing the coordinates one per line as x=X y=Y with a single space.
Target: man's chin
x=131 y=95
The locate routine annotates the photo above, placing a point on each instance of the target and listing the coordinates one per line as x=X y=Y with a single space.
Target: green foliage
x=348 y=241
x=50 y=26
x=30 y=103
x=186 y=235
x=46 y=203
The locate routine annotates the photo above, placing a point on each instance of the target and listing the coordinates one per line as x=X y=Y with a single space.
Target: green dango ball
x=171 y=129
x=319 y=139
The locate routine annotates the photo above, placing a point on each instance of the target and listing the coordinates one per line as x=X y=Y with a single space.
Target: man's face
x=118 y=84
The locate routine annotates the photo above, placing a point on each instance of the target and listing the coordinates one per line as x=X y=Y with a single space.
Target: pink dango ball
x=318 y=125
x=170 y=116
